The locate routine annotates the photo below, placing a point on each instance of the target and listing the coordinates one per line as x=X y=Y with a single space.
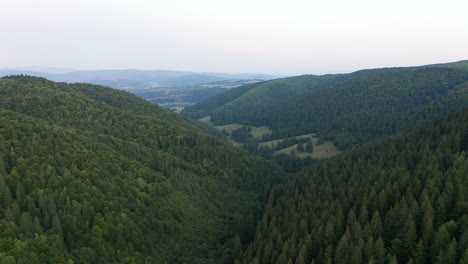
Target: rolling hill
x=245 y=99
x=90 y=174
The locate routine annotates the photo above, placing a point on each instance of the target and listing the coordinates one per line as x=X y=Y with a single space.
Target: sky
x=235 y=36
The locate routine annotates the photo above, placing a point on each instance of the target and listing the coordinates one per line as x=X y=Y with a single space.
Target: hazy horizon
x=58 y=70
x=270 y=37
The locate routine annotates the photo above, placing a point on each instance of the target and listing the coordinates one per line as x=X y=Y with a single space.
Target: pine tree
x=393 y=260
x=420 y=255
x=409 y=238
x=464 y=259
x=440 y=241
x=376 y=225
x=450 y=256
x=302 y=256
x=440 y=212
x=309 y=147
x=343 y=251
x=300 y=147
x=379 y=251
x=464 y=140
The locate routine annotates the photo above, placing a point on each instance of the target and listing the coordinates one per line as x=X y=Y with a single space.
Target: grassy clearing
x=323 y=151
x=274 y=143
x=235 y=143
x=205 y=119
x=258 y=132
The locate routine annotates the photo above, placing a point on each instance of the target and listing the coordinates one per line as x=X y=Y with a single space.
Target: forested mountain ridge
x=87 y=177
x=247 y=98
x=403 y=199
x=129 y=102
x=366 y=107
x=461 y=65
x=347 y=109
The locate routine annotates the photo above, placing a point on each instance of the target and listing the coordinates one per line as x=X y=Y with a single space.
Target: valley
x=233 y=132
x=178 y=97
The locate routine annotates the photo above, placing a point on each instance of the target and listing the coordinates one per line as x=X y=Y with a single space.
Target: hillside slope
x=364 y=108
x=347 y=109
x=401 y=200
x=87 y=176
x=241 y=101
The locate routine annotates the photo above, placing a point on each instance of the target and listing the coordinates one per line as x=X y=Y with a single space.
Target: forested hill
x=131 y=103
x=248 y=98
x=401 y=200
x=461 y=65
x=364 y=108
x=87 y=176
x=348 y=109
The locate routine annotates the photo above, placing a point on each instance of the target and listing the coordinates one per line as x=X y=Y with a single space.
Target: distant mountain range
x=171 y=89
x=129 y=79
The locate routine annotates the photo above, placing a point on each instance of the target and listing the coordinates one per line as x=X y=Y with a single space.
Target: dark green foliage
x=129 y=102
x=464 y=140
x=400 y=200
x=291 y=142
x=300 y=147
x=241 y=134
x=348 y=109
x=93 y=175
x=309 y=147
x=204 y=108
x=367 y=107
x=290 y=163
x=241 y=101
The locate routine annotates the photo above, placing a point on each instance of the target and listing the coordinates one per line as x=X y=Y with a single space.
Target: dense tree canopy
x=348 y=109
x=401 y=200
x=89 y=174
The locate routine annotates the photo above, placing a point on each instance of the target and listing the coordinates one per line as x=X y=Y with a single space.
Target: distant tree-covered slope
x=400 y=200
x=461 y=65
x=347 y=109
x=239 y=102
x=129 y=102
x=366 y=107
x=87 y=177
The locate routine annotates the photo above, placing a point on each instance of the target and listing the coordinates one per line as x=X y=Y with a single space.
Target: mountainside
x=461 y=65
x=347 y=109
x=89 y=174
x=400 y=200
x=366 y=107
x=241 y=101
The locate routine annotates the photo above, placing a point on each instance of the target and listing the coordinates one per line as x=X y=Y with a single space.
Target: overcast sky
x=287 y=36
